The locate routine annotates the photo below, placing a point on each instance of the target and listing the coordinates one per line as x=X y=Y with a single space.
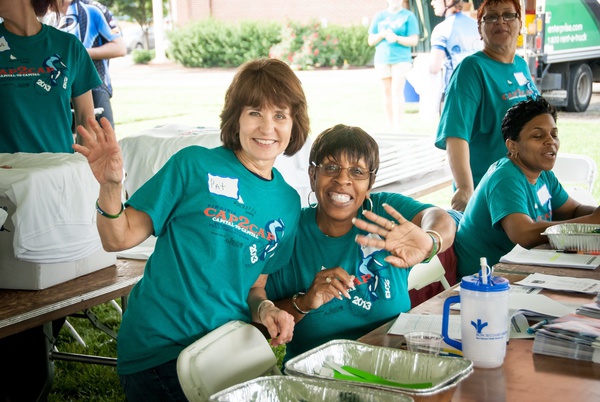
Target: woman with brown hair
x=224 y=218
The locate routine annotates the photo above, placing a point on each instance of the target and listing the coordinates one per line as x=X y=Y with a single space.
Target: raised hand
x=407 y=243
x=102 y=151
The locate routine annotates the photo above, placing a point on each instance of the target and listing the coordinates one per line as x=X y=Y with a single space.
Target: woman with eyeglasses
x=348 y=276
x=483 y=87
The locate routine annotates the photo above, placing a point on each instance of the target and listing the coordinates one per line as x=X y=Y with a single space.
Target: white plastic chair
x=577 y=174
x=423 y=274
x=235 y=352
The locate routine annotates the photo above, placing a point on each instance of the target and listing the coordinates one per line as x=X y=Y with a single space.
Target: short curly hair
x=259 y=83
x=523 y=112
x=352 y=142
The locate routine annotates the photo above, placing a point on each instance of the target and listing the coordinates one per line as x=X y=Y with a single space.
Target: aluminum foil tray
x=286 y=388
x=393 y=364
x=580 y=237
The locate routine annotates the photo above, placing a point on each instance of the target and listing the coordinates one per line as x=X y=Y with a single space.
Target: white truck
x=561 y=43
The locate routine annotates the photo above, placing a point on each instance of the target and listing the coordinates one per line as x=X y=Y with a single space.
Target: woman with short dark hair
x=519 y=196
x=334 y=287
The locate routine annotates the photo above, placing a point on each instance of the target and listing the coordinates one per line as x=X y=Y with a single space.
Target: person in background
x=453 y=39
x=347 y=276
x=224 y=218
x=519 y=196
x=43 y=72
x=53 y=70
x=483 y=87
x=94 y=25
x=393 y=32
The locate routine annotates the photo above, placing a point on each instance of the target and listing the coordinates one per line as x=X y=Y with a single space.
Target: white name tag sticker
x=521 y=79
x=544 y=195
x=225 y=186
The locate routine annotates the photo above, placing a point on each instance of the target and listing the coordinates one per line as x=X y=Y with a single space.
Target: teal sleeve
x=413 y=25
x=158 y=197
x=407 y=206
x=463 y=99
x=87 y=76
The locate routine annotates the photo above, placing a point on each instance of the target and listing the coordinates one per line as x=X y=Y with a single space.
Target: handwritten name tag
x=225 y=186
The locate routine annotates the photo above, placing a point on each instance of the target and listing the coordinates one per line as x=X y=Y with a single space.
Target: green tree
x=139 y=11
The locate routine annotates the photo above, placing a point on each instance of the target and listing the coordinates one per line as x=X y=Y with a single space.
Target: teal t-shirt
x=504 y=190
x=402 y=23
x=381 y=289
x=38 y=77
x=218 y=227
x=480 y=92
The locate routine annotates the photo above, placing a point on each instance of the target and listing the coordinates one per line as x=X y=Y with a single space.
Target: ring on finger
x=393 y=226
x=328 y=279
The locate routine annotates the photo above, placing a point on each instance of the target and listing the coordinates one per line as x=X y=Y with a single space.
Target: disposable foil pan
x=393 y=364
x=286 y=388
x=574 y=237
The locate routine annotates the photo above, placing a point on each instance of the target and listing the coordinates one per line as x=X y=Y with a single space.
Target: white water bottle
x=483 y=316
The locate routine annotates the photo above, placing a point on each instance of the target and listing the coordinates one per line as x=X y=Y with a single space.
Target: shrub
x=305 y=46
x=352 y=44
x=212 y=43
x=142 y=56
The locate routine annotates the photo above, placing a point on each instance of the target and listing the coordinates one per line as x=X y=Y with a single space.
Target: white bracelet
x=261 y=305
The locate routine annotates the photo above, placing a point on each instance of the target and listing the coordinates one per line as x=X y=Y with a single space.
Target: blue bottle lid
x=483 y=281
x=494 y=283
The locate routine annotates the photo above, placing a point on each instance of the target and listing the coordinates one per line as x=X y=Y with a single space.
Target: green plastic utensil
x=349 y=373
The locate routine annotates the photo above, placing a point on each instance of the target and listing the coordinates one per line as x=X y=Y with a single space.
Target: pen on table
x=536 y=326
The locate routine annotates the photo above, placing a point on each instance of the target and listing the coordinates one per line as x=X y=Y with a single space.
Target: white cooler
x=50 y=201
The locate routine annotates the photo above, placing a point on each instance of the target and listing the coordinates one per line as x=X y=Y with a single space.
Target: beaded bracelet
x=295 y=305
x=106 y=214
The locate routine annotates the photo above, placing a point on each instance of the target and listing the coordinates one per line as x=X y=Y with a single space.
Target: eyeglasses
x=333 y=170
x=492 y=18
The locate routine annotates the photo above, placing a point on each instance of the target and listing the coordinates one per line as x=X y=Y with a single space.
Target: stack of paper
x=572 y=336
x=591 y=309
x=520 y=255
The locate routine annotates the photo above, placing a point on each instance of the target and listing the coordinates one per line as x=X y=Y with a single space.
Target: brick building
x=340 y=12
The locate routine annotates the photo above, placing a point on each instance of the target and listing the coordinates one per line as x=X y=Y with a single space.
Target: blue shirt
x=402 y=23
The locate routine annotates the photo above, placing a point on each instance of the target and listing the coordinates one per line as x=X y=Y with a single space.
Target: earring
x=370 y=204
x=317 y=200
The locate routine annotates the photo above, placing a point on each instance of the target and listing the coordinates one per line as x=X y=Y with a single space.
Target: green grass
x=334 y=98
